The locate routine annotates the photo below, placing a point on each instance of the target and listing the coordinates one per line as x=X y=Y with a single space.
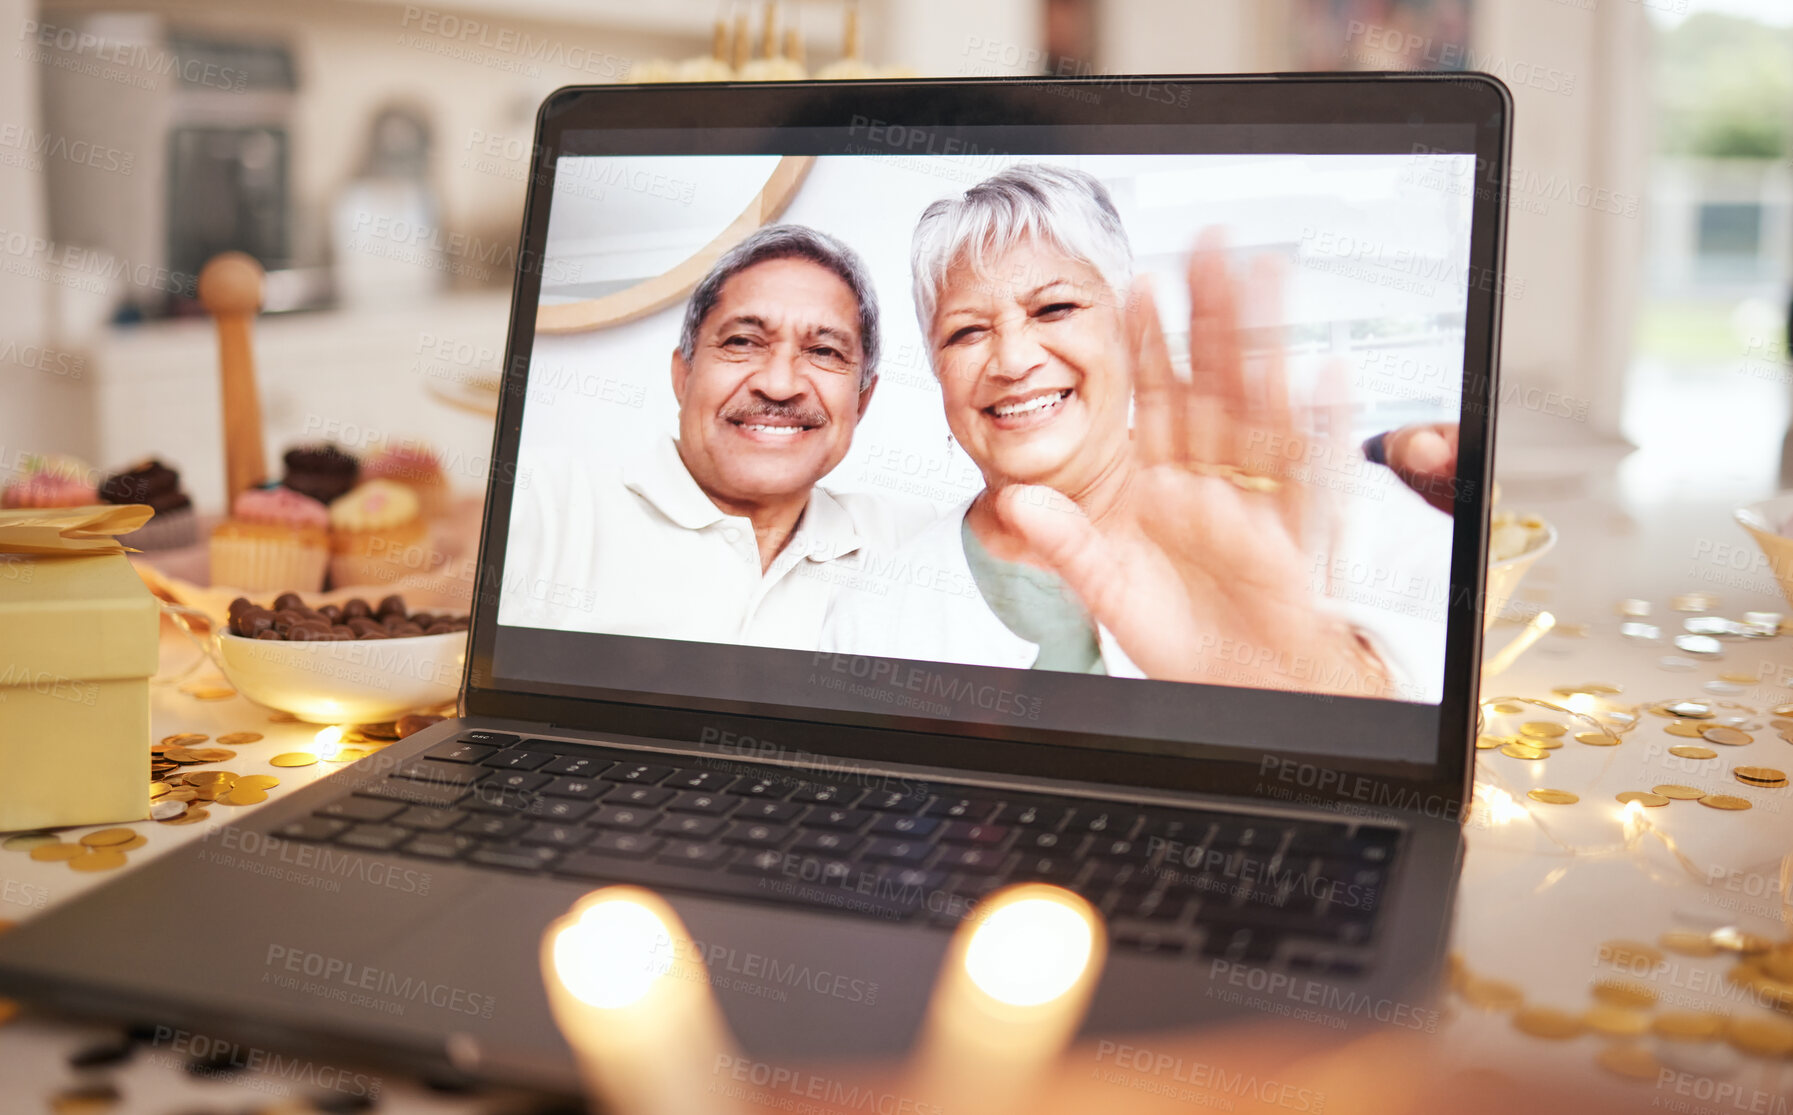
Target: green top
x=1037 y=605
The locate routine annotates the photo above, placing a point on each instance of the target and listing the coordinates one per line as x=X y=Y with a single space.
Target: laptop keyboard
x=1214 y=883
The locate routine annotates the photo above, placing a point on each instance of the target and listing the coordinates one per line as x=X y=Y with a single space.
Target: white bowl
x=351 y=681
x=1504 y=576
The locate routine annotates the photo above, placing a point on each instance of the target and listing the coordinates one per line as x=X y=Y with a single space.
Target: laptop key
x=1105 y=822
x=768 y=789
x=577 y=766
x=690 y=826
x=429 y=820
x=891 y=850
x=1157 y=905
x=1032 y=815
x=973 y=860
x=1240 y=943
x=961 y=809
x=413 y=793
x=893 y=801
x=1058 y=869
x=459 y=751
x=759 y=836
x=714 y=805
x=827 y=843
x=360 y=809
x=556 y=836
x=311 y=828
x=438 y=845
x=490 y=739
x=822 y=793
x=641 y=774
x=518 y=759
x=496 y=828
x=704 y=781
x=517 y=780
x=440 y=773
x=696 y=853
x=375 y=838
x=892 y=824
x=964 y=832
x=562 y=810
x=488 y=798
x=514 y=857
x=836 y=820
x=769 y=811
x=1155 y=938
x=623 y=817
x=585 y=789
x=634 y=845
x=646 y=797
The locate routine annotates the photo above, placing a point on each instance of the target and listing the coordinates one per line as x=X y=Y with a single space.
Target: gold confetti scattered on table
x=1689 y=943
x=1694 y=602
x=1736 y=677
x=1509 y=707
x=1730 y=737
x=1766 y=777
x=1689 y=751
x=1598 y=739
x=1686 y=729
x=348 y=755
x=237 y=739
x=98 y=859
x=51 y=853
x=1633 y=1062
x=293 y=759
x=1523 y=751
x=1732 y=939
x=1548 y=1022
x=1630 y=954
x=1541 y=729
x=1553 y=797
x=167 y=810
x=1623 y=993
x=1725 y=801
x=386 y=730
x=1687 y=1025
x=182 y=739
x=1616 y=1021
x=1674 y=791
x=1761 y=1036
x=105 y=838
x=212 y=693
x=25 y=841
x=1653 y=801
x=1489 y=743
x=193 y=816
x=1490 y=994
x=244 y=795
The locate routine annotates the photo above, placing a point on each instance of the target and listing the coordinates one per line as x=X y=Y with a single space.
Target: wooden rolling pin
x=230 y=288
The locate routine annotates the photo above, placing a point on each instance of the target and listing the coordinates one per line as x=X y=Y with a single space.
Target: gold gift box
x=78 y=642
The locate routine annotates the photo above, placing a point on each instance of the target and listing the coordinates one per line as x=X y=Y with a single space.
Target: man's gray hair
x=789 y=242
x=1068 y=209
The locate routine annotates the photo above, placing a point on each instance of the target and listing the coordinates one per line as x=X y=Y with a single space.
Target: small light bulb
x=612 y=956
x=1030 y=951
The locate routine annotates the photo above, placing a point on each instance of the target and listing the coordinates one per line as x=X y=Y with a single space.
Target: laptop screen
x=1148 y=442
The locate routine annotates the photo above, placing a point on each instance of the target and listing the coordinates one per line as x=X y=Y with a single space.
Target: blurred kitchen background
x=1649 y=267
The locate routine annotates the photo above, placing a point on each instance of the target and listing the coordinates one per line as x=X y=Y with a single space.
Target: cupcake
x=376 y=535
x=274 y=541
x=320 y=471
x=51 y=482
x=416 y=467
x=159 y=486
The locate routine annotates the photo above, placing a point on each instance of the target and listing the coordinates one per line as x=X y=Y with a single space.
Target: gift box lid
x=81 y=617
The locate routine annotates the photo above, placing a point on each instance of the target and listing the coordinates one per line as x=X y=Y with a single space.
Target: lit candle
x=1008 y=1000
x=631 y=996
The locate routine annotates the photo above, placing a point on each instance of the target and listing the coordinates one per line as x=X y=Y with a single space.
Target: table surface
x=1543 y=886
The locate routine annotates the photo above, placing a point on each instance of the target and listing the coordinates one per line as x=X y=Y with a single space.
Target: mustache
x=769 y=408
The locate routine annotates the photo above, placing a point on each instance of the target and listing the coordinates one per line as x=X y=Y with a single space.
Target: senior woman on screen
x=1158 y=549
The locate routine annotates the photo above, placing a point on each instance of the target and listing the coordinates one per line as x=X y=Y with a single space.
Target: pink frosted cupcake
x=377 y=535
x=51 y=482
x=416 y=466
x=275 y=540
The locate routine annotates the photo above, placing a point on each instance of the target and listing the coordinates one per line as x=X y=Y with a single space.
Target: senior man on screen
x=718 y=534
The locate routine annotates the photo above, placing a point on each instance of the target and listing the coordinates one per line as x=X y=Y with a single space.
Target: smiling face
x=768 y=402
x=1032 y=363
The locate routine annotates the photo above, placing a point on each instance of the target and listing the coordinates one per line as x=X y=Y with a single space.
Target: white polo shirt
x=640 y=550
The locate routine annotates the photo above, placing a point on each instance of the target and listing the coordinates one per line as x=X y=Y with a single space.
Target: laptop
x=821 y=799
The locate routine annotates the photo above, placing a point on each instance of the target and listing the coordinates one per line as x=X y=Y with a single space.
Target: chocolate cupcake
x=321 y=471
x=154 y=483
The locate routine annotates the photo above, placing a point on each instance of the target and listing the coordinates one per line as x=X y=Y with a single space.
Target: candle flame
x=1032 y=950
x=614 y=954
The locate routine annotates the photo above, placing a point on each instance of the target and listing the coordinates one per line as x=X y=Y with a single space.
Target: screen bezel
x=1393 y=100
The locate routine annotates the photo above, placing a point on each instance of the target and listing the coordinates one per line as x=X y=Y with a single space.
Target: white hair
x=1068 y=209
